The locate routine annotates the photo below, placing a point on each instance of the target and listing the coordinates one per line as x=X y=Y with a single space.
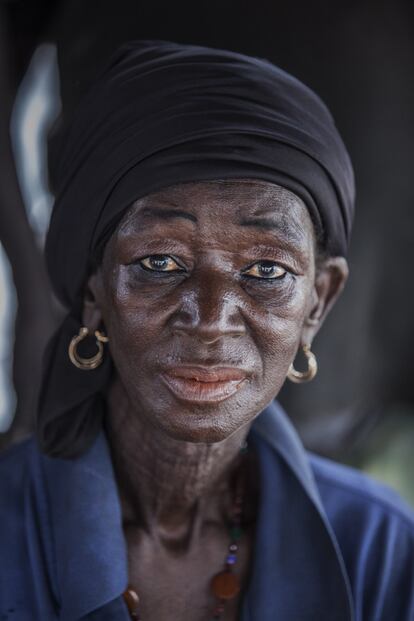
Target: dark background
x=359 y=56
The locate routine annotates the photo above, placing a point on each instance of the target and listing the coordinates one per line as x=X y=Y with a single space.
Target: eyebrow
x=290 y=231
x=270 y=224
x=167 y=214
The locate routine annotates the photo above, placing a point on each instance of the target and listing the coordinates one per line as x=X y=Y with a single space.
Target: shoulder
x=20 y=480
x=15 y=452
x=25 y=535
x=374 y=528
x=14 y=460
x=341 y=485
x=16 y=468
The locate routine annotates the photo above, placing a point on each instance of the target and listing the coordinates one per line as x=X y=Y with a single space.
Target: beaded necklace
x=224 y=585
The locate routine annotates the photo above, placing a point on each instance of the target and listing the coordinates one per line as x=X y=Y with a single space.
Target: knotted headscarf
x=160 y=114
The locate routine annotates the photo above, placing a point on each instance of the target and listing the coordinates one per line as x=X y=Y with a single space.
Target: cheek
x=278 y=329
x=278 y=346
x=131 y=323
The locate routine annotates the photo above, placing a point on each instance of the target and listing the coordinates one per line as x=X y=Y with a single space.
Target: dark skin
x=213 y=274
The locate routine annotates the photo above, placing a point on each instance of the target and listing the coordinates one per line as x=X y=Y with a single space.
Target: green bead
x=235 y=533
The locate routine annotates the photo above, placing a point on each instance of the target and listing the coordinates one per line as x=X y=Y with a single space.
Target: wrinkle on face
x=214 y=230
x=260 y=204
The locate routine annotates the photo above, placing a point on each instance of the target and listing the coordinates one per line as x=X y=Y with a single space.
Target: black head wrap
x=160 y=114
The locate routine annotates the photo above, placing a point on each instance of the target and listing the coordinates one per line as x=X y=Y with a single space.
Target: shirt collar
x=297 y=565
x=298 y=570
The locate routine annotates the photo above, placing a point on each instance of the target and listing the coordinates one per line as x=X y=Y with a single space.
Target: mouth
x=204 y=384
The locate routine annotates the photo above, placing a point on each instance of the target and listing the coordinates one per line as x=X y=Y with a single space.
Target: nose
x=210 y=309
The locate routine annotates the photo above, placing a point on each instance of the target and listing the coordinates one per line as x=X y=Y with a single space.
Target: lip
x=204 y=384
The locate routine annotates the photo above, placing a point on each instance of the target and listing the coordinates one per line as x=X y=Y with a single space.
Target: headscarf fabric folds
x=160 y=114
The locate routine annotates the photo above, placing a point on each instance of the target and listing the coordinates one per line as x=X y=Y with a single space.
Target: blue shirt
x=330 y=544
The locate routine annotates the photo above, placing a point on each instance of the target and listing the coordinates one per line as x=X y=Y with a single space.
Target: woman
x=202 y=218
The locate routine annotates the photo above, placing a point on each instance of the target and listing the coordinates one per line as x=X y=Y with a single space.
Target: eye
x=160 y=263
x=269 y=270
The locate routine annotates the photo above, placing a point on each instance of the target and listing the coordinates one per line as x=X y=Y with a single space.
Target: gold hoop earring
x=299 y=377
x=87 y=364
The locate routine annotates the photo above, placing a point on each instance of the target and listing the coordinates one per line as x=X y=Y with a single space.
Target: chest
x=179 y=585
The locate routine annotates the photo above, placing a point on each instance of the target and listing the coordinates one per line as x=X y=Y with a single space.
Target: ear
x=330 y=278
x=91 y=313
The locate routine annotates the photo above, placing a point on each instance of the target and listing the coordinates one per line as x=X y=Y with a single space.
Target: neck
x=166 y=485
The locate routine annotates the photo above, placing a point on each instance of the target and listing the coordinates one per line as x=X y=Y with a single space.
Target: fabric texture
x=160 y=114
x=330 y=544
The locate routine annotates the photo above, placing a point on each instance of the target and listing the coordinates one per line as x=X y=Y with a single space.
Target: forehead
x=222 y=202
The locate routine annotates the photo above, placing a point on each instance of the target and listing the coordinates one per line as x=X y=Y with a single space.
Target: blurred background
x=359 y=56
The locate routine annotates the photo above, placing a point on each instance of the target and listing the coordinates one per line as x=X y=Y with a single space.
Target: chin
x=201 y=429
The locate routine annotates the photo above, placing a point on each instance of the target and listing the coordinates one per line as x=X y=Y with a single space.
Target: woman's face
x=206 y=291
